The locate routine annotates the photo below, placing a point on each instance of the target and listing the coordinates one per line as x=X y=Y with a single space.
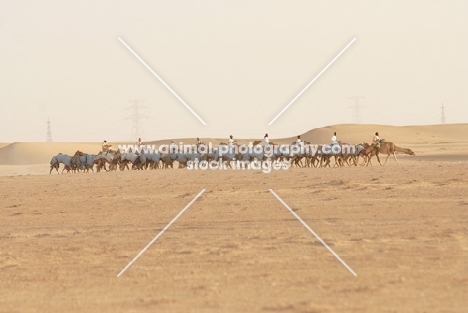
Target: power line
x=136 y=118
x=357 y=108
x=49 y=131
x=442 y=114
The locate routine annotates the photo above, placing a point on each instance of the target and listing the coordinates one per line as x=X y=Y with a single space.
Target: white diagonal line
x=162 y=81
x=161 y=232
x=315 y=78
x=310 y=229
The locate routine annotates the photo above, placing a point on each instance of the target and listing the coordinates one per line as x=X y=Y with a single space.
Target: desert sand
x=402 y=229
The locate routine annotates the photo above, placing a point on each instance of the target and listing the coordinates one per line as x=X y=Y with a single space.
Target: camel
x=127 y=158
x=312 y=160
x=84 y=161
x=167 y=160
x=349 y=156
x=310 y=157
x=359 y=151
x=366 y=155
x=152 y=160
x=325 y=158
x=229 y=156
x=65 y=159
x=388 y=148
x=110 y=156
x=296 y=158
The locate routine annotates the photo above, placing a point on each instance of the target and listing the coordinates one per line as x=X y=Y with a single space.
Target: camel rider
x=266 y=140
x=172 y=147
x=106 y=146
x=299 y=141
x=376 y=141
x=334 y=142
x=140 y=143
x=231 y=141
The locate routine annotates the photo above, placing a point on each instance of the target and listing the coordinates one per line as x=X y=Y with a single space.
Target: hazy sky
x=236 y=63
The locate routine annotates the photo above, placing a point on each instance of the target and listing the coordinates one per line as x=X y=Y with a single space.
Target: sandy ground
x=402 y=229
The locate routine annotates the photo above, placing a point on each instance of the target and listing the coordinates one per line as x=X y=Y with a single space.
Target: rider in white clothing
x=266 y=140
x=334 y=142
x=376 y=140
x=231 y=141
x=299 y=141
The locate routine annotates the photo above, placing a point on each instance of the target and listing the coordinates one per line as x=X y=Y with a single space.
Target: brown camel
x=388 y=148
x=361 y=150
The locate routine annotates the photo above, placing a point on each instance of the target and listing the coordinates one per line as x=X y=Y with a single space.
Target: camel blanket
x=61 y=158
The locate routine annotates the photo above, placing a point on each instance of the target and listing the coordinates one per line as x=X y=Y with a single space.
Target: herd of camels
x=112 y=160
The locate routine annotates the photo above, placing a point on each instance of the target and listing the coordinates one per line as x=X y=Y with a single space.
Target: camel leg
x=323 y=161
x=327 y=162
x=299 y=162
x=337 y=161
x=56 y=168
x=293 y=162
x=394 y=155
x=388 y=155
x=346 y=160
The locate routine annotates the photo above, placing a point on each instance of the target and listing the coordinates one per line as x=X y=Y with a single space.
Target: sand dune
x=22 y=153
x=356 y=133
